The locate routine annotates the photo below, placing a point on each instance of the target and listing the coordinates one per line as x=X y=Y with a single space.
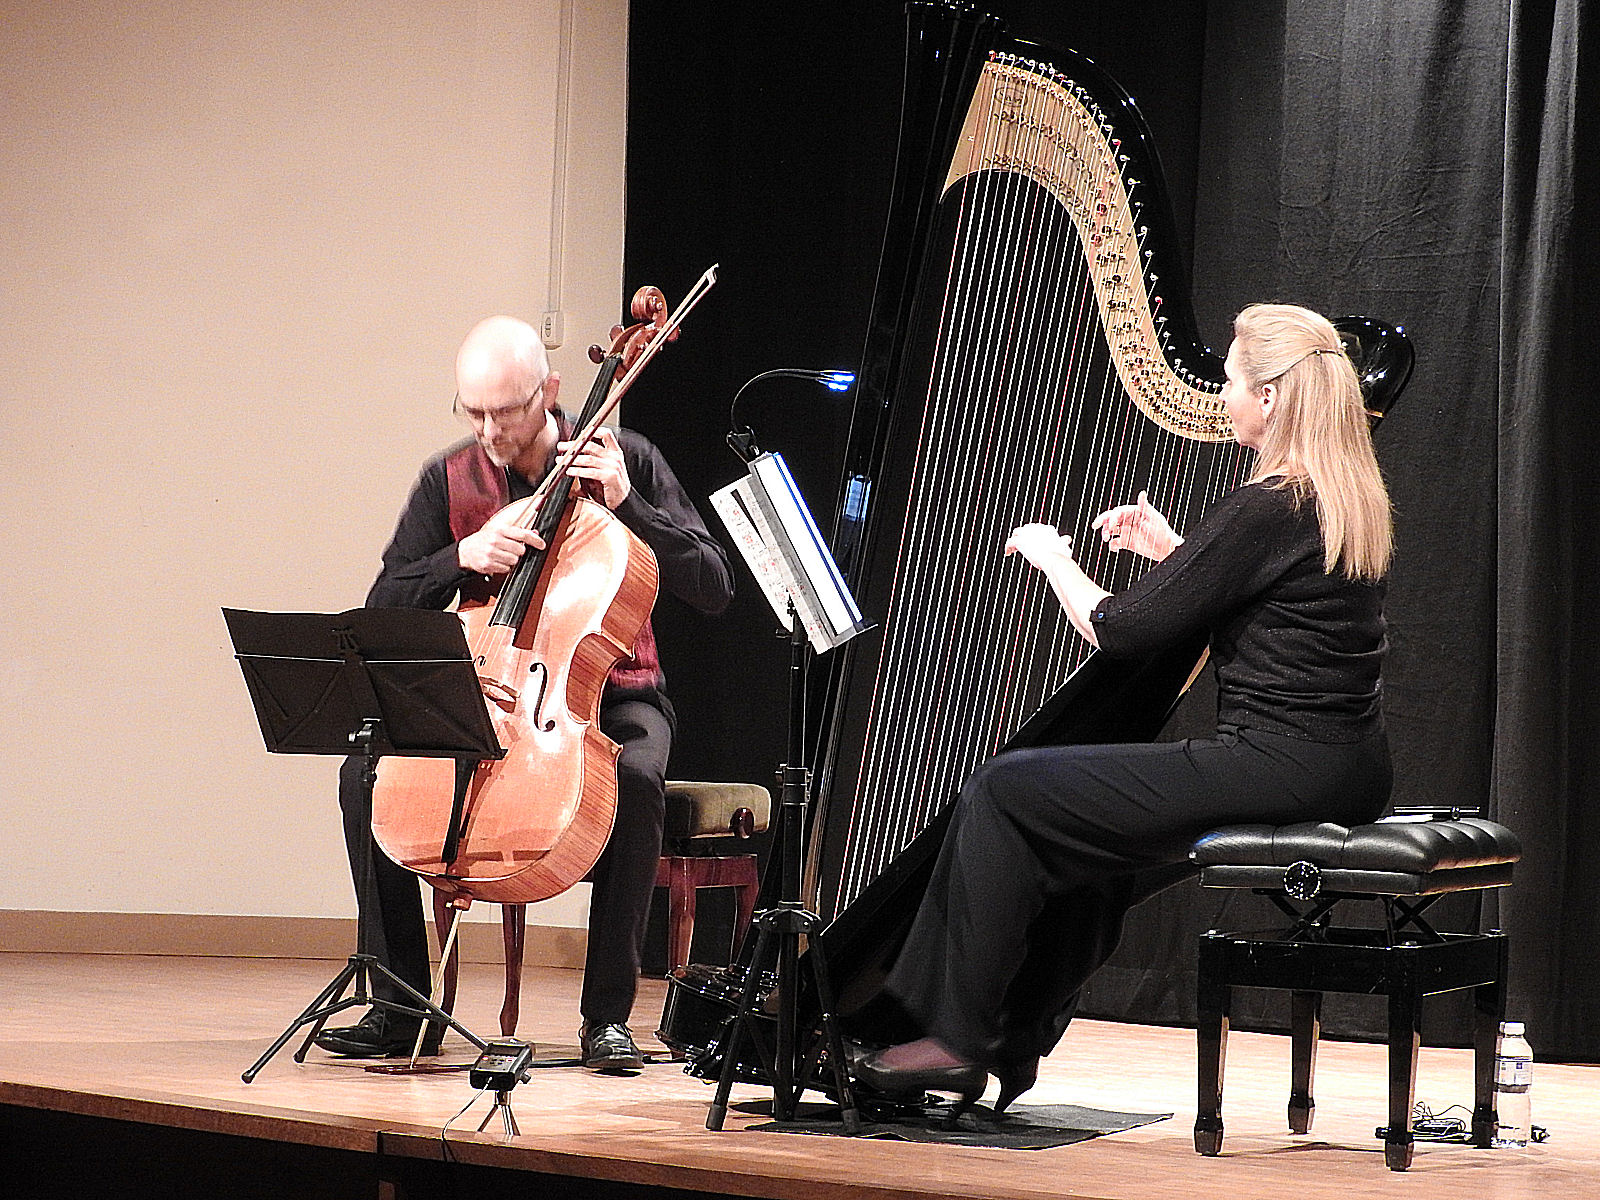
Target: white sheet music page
x=737 y=506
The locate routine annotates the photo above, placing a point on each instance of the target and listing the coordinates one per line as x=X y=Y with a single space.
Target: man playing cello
x=456 y=540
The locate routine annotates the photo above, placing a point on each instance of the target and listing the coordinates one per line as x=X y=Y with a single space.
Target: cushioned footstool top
x=697 y=809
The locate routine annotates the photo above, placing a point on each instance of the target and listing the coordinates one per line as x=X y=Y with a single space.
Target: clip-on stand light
x=374 y=682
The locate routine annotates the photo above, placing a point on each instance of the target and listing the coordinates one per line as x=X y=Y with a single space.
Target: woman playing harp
x=1051 y=846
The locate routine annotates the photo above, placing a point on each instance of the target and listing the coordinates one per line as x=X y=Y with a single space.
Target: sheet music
x=786 y=554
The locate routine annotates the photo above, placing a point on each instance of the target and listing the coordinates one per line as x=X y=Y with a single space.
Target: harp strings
x=924 y=672
x=989 y=455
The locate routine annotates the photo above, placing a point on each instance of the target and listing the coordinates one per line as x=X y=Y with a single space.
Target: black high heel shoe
x=1015 y=1078
x=964 y=1080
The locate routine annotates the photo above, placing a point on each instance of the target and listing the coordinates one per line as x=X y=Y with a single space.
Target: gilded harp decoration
x=1034 y=122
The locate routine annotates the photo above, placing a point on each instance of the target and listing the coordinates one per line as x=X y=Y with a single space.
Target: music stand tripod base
x=788 y=921
x=325 y=1005
x=788 y=924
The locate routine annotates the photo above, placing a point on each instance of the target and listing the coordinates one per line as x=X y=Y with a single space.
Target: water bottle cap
x=1511 y=1028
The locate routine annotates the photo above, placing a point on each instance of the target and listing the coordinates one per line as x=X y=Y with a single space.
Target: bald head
x=501 y=360
x=504 y=385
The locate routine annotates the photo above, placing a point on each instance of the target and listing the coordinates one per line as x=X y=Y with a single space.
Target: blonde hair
x=1317 y=440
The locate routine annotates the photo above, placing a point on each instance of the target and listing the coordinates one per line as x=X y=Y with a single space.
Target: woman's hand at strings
x=1051 y=551
x=1137 y=527
x=500 y=544
x=1042 y=545
x=601 y=460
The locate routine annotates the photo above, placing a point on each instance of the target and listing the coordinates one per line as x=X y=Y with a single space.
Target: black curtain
x=1353 y=157
x=1547 y=728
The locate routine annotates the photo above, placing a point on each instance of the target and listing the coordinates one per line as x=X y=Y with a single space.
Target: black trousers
x=1050 y=847
x=389 y=903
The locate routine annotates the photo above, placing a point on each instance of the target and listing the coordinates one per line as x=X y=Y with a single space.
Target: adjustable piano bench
x=1307 y=870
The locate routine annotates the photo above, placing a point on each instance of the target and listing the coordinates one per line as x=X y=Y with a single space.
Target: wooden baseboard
x=190 y=935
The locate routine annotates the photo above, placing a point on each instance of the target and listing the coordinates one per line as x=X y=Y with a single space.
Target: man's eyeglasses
x=509 y=414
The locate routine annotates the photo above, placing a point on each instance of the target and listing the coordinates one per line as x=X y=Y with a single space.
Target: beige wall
x=239 y=243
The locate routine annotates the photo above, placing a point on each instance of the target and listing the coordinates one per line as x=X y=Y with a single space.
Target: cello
x=531 y=824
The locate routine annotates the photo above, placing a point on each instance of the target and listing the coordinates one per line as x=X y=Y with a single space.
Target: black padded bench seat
x=1309 y=869
x=1396 y=858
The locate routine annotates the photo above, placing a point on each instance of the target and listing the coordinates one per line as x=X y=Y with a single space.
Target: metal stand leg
x=508 y=1119
x=359 y=969
x=779 y=1064
x=325 y=1005
x=788 y=1069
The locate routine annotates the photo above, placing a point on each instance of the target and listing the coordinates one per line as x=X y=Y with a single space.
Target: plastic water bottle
x=1513 y=1085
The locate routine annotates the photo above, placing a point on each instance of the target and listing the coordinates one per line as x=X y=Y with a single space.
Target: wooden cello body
x=532 y=823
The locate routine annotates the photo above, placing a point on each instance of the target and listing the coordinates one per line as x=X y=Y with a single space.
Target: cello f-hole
x=543 y=673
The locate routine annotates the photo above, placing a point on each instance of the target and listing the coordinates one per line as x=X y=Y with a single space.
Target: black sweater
x=1297 y=650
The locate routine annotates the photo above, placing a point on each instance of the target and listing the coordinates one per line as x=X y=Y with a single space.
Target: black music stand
x=780 y=543
x=371 y=681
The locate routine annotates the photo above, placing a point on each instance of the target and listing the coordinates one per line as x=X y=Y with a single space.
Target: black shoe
x=380 y=1034
x=609 y=1047
x=965 y=1080
x=1015 y=1078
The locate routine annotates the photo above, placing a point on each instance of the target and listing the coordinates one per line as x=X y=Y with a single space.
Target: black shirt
x=1297 y=650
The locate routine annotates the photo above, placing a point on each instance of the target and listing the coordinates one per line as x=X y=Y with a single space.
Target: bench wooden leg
x=745 y=893
x=1405 y=1036
x=1305 y=1024
x=1489 y=1009
x=683 y=898
x=1211 y=1044
x=514 y=931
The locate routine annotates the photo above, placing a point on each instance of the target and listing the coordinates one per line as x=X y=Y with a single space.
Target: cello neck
x=551 y=502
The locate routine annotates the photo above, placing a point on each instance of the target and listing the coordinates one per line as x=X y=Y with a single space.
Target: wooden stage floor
x=153 y=1047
